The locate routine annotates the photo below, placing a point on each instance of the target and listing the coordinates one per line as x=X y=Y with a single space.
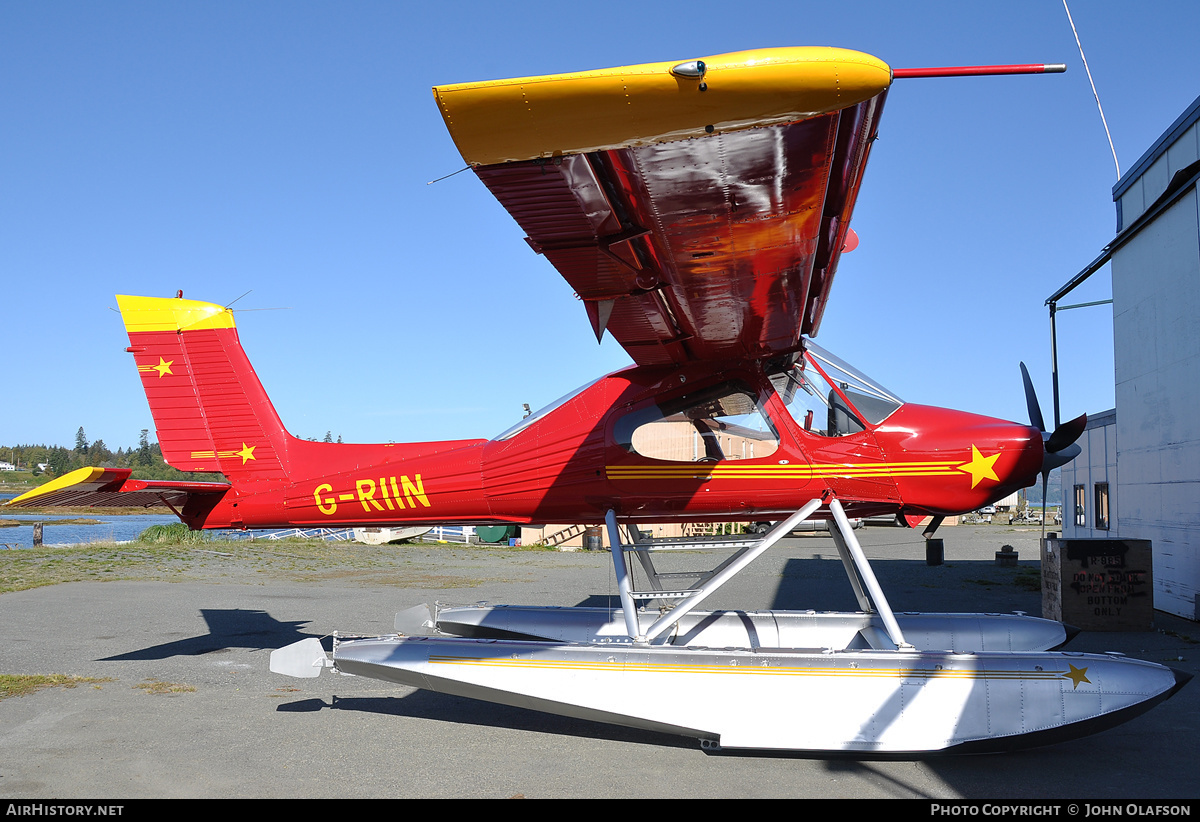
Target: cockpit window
x=509 y=433
x=711 y=425
x=808 y=391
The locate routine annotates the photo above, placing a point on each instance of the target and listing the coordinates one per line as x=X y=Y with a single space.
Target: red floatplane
x=699 y=208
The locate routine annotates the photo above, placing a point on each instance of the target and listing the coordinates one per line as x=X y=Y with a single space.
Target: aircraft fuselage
x=580 y=456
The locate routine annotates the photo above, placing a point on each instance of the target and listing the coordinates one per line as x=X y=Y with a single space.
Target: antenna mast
x=1094 y=93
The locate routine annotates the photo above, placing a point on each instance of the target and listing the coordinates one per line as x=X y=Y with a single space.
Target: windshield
x=847 y=376
x=808 y=391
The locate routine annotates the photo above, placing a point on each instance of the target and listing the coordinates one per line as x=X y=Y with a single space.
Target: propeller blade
x=1031 y=401
x=1066 y=434
x=1045 y=484
x=1054 y=459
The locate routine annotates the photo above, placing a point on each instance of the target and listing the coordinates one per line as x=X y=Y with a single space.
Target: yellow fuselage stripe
x=864 y=470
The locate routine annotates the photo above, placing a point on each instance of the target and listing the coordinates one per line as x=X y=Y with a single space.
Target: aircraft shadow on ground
x=227 y=628
x=820 y=584
x=972 y=586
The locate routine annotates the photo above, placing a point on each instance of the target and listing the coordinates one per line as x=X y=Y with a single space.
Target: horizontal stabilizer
x=112 y=488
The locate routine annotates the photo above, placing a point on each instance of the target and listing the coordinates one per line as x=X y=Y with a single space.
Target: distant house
x=7 y=466
x=1012 y=501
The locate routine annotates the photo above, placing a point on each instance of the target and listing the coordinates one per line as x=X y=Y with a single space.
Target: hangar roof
x=1146 y=180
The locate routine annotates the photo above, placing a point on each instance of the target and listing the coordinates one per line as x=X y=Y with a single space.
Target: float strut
x=781 y=530
x=867 y=575
x=860 y=594
x=624 y=585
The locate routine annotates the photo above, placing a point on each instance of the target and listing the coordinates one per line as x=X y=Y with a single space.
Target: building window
x=1080 y=510
x=1101 y=515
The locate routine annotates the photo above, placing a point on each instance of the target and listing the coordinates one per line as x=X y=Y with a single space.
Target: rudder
x=210 y=410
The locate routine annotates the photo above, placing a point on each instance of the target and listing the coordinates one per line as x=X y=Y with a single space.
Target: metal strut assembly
x=624 y=585
x=866 y=588
x=692 y=597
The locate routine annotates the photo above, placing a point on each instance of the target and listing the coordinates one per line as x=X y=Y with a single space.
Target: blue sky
x=284 y=149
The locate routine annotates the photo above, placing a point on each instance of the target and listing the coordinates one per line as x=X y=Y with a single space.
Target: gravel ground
x=244 y=732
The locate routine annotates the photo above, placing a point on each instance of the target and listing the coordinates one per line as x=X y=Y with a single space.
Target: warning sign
x=1098 y=584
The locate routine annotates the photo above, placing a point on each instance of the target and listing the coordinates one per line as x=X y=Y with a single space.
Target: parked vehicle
x=1026 y=516
x=976 y=518
x=808 y=525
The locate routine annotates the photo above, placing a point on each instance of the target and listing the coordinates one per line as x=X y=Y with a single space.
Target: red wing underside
x=717 y=248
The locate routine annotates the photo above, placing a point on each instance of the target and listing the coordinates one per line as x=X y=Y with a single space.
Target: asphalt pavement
x=186 y=706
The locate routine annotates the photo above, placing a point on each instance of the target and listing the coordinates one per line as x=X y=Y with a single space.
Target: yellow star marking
x=980 y=467
x=247 y=452
x=1077 y=675
x=163 y=367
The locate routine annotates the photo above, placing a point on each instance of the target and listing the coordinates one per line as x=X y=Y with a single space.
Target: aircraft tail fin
x=210 y=410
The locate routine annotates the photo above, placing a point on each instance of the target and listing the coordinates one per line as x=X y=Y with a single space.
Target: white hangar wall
x=1156 y=328
x=1153 y=484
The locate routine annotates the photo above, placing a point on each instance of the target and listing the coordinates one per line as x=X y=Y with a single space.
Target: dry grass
x=298 y=561
x=157 y=687
x=25 y=684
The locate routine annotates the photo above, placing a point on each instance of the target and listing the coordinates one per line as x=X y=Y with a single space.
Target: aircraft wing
x=112 y=488
x=698 y=209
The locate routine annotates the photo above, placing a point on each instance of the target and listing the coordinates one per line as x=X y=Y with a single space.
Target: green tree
x=144 y=455
x=60 y=460
x=98 y=453
x=35 y=455
x=81 y=443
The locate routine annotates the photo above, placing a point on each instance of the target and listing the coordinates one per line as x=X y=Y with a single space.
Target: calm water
x=114 y=528
x=119 y=528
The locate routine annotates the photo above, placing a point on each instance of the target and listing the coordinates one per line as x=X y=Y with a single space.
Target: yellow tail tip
x=170 y=314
